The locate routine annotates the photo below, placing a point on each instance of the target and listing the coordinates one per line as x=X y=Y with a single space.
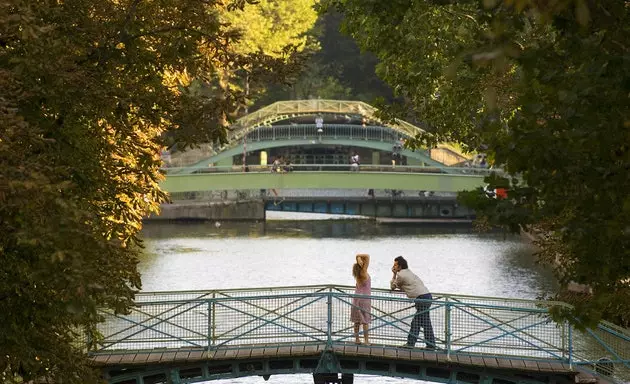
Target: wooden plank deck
x=380 y=352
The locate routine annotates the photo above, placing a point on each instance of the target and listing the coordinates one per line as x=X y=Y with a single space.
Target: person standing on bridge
x=361 y=311
x=414 y=288
x=354 y=162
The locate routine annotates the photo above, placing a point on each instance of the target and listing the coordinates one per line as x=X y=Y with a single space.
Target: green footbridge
x=291 y=124
x=317 y=137
x=195 y=336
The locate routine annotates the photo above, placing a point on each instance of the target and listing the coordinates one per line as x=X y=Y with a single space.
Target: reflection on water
x=450 y=259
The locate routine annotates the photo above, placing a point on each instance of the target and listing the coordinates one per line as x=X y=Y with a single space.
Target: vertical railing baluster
x=563 y=337
x=329 y=330
x=570 y=346
x=212 y=317
x=210 y=314
x=447 y=328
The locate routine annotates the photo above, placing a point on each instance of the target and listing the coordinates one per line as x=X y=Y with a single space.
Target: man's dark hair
x=402 y=263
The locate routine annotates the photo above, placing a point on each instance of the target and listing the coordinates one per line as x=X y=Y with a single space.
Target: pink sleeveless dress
x=362 y=308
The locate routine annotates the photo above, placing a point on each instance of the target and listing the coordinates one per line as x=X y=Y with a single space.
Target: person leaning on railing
x=414 y=288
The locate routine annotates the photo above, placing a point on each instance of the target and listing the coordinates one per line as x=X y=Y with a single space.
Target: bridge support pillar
x=328 y=363
x=376 y=157
x=174 y=377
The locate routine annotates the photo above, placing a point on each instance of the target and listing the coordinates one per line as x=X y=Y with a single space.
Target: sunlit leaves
x=277 y=28
x=272 y=25
x=88 y=92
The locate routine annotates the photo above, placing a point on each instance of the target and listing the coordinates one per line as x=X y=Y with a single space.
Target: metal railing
x=282 y=110
x=328 y=131
x=258 y=317
x=378 y=168
x=278 y=195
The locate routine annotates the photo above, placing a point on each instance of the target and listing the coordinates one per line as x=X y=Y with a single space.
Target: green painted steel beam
x=262 y=145
x=438 y=182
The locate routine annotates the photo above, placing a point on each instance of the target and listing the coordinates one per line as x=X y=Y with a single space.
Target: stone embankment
x=571 y=286
x=207 y=210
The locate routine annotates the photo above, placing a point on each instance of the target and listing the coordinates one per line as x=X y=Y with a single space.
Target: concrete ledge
x=245 y=210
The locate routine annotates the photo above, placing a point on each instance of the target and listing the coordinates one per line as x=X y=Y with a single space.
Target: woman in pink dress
x=360 y=314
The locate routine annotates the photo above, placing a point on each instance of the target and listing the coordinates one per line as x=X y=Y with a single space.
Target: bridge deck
x=245 y=352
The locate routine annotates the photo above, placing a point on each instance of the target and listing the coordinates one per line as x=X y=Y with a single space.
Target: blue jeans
x=422 y=319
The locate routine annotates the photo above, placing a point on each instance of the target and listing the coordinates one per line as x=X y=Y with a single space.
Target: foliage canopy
x=87 y=90
x=544 y=88
x=272 y=27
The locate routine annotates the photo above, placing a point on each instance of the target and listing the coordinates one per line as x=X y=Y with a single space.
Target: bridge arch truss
x=356 y=136
x=272 y=125
x=283 y=110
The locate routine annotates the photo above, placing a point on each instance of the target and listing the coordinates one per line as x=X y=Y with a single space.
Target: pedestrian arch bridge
x=195 y=336
x=291 y=124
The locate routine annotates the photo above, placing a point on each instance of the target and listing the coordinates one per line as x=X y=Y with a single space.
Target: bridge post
x=329 y=320
x=447 y=328
x=570 y=345
x=211 y=322
x=174 y=377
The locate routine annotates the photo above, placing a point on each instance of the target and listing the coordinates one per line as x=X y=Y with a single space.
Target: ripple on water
x=448 y=259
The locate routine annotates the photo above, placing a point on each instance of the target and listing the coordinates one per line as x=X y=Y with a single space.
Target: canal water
x=294 y=249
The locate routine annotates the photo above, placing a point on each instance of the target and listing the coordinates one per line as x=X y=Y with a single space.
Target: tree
x=87 y=89
x=341 y=58
x=337 y=70
x=543 y=88
x=272 y=27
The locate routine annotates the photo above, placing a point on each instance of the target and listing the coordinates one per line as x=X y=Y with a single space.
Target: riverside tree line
x=91 y=91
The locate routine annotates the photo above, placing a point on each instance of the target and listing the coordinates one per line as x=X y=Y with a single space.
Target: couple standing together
x=403 y=280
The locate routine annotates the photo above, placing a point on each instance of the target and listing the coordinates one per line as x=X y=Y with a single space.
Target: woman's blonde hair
x=356 y=272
